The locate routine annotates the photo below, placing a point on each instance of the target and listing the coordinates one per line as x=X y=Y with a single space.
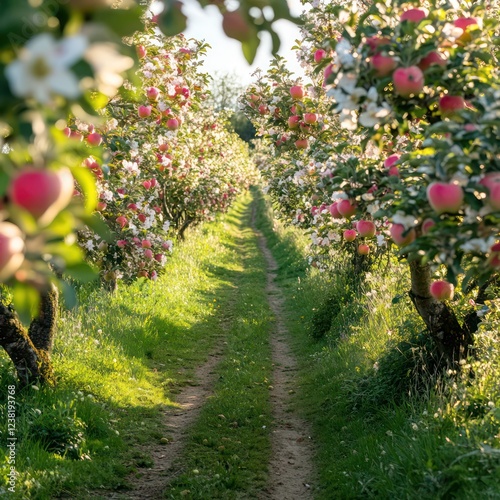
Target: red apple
x=173 y=124
x=144 y=111
x=153 y=93
x=301 y=143
x=383 y=65
x=346 y=208
x=141 y=51
x=297 y=92
x=427 y=224
x=319 y=55
x=408 y=81
x=148 y=253
x=349 y=235
x=146 y=244
x=293 y=122
x=11 y=250
x=363 y=249
x=121 y=243
x=432 y=58
x=42 y=192
x=374 y=42
x=449 y=104
x=76 y=135
x=401 y=236
x=122 y=221
x=263 y=110
x=413 y=15
x=463 y=23
x=326 y=73
x=390 y=161
x=366 y=228
x=94 y=139
x=147 y=184
x=236 y=26
x=494 y=257
x=310 y=118
x=142 y=218
x=442 y=290
x=334 y=211
x=159 y=257
x=445 y=197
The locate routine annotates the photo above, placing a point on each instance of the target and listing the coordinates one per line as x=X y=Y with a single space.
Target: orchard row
x=391 y=144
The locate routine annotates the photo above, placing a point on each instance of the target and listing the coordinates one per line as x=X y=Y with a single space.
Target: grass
x=122 y=357
x=228 y=449
x=383 y=427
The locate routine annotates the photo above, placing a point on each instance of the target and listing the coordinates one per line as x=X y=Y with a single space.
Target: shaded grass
x=120 y=359
x=383 y=428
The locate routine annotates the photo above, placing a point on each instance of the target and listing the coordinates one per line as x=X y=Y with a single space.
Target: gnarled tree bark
x=30 y=350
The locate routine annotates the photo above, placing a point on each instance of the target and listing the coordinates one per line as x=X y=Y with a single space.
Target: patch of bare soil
x=291 y=467
x=151 y=483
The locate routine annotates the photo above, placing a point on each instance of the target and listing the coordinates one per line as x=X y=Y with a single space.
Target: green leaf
x=69 y=294
x=172 y=20
x=81 y=272
x=99 y=226
x=71 y=254
x=87 y=183
x=123 y=22
x=276 y=41
x=250 y=47
x=26 y=301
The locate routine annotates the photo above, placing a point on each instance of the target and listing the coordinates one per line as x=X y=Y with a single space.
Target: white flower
x=381 y=241
x=347 y=82
x=108 y=64
x=373 y=114
x=344 y=53
x=43 y=68
x=406 y=220
x=131 y=167
x=478 y=245
x=166 y=225
x=348 y=120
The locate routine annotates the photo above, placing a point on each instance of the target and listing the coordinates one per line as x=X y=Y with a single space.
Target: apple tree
x=414 y=90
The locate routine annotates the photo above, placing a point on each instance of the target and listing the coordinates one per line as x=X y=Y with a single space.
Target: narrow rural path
x=151 y=483
x=291 y=468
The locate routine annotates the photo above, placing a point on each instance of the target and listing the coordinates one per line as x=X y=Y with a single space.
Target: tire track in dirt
x=291 y=467
x=152 y=483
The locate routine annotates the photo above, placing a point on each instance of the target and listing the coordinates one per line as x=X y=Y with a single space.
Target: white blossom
x=43 y=68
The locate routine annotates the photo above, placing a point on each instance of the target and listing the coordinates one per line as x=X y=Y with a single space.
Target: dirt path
x=152 y=482
x=291 y=469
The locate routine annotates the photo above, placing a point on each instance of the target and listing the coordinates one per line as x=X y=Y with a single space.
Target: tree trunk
x=30 y=350
x=451 y=339
x=182 y=229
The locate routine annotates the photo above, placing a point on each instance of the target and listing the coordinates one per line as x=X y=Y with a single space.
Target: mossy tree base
x=30 y=349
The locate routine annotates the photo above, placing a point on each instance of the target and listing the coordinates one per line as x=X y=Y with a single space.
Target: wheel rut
x=291 y=467
x=152 y=482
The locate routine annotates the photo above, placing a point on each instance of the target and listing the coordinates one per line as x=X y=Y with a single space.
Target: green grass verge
x=380 y=432
x=122 y=357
